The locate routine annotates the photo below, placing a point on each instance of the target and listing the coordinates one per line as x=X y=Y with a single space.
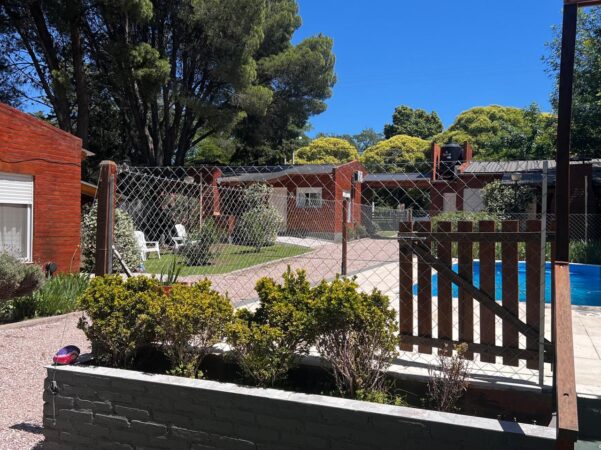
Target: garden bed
x=96 y=405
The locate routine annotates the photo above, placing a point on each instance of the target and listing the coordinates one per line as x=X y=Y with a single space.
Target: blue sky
x=440 y=55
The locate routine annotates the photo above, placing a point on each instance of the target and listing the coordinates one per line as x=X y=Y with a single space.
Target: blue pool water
x=585 y=283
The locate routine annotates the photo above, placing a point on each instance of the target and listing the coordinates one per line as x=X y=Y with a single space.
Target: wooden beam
x=565 y=393
x=582 y=3
x=105 y=221
x=482 y=349
x=474 y=236
x=564 y=130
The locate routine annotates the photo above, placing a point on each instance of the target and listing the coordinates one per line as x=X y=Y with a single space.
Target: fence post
x=344 y=236
x=105 y=219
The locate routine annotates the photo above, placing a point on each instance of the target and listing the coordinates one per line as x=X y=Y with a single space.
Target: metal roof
x=518 y=166
x=305 y=169
x=401 y=176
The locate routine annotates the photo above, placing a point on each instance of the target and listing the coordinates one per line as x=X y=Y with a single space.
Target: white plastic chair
x=180 y=239
x=147 y=246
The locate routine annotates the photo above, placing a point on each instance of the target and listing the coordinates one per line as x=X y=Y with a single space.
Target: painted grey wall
x=94 y=407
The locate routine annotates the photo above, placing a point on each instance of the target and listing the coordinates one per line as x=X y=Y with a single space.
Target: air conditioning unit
x=358 y=177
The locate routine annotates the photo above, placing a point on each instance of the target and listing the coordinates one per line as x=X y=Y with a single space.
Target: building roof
x=401 y=176
x=278 y=172
x=517 y=166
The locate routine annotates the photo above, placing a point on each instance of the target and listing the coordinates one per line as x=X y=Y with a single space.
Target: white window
x=449 y=201
x=472 y=199
x=308 y=197
x=16 y=215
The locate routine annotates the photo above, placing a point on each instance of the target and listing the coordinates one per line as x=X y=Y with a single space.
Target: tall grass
x=59 y=295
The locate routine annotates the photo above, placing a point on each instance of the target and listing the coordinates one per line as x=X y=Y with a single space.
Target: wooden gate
x=439 y=250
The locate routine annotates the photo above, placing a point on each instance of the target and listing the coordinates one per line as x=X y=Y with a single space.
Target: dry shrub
x=448 y=380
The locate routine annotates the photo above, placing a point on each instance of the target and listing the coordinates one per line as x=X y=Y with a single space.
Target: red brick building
x=40 y=190
x=309 y=197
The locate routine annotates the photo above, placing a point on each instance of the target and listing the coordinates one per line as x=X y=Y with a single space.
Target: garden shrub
x=448 y=380
x=355 y=335
x=198 y=248
x=258 y=227
x=266 y=342
x=585 y=252
x=124 y=239
x=504 y=200
x=118 y=318
x=260 y=221
x=18 y=279
x=190 y=320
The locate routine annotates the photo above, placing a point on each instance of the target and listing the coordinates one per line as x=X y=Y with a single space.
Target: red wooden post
x=466 y=302
x=445 y=289
x=487 y=284
x=424 y=293
x=405 y=288
x=533 y=287
x=509 y=257
x=343 y=267
x=105 y=220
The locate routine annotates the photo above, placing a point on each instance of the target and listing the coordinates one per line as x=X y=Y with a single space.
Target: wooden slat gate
x=477 y=308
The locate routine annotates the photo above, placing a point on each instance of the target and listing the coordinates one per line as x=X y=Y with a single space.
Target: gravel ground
x=24 y=351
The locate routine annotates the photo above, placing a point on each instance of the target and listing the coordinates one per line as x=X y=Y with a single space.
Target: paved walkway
x=324 y=262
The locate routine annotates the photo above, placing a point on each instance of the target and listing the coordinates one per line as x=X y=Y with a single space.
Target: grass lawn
x=228 y=258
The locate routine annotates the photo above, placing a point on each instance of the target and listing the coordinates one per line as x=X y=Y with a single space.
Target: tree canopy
x=327 y=150
x=397 y=154
x=413 y=122
x=166 y=75
x=503 y=132
x=586 y=103
x=361 y=141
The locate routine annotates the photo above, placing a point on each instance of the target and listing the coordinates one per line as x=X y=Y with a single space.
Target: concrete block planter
x=97 y=407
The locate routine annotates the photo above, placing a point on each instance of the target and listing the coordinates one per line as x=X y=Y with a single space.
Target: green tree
x=413 y=122
x=397 y=154
x=504 y=133
x=586 y=105
x=503 y=200
x=327 y=150
x=170 y=74
x=361 y=141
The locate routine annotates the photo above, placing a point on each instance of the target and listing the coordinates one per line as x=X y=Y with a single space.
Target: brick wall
x=57 y=178
x=111 y=408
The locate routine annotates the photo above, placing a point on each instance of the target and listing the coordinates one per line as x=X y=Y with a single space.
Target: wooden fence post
x=343 y=268
x=405 y=288
x=105 y=219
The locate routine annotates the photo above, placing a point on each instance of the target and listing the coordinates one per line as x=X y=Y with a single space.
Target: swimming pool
x=585 y=283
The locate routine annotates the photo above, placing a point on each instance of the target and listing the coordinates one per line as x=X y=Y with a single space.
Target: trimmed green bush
x=119 y=319
x=504 y=200
x=190 y=320
x=124 y=238
x=266 y=343
x=18 y=279
x=585 y=252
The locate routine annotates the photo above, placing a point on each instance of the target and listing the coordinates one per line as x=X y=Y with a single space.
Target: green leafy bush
x=585 y=252
x=266 y=343
x=190 y=320
x=118 y=318
x=258 y=227
x=18 y=279
x=355 y=335
x=60 y=294
x=504 y=200
x=124 y=238
x=198 y=248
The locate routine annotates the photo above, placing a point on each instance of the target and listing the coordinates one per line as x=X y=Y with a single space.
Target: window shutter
x=16 y=189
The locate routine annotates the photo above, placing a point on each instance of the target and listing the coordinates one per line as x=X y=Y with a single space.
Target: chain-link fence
x=462 y=255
